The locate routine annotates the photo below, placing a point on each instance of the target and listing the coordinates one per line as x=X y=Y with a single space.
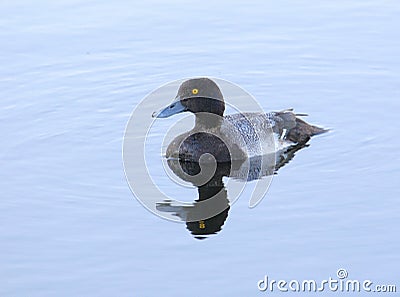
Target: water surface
x=72 y=72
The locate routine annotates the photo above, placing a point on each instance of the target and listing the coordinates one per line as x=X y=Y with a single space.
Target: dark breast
x=197 y=144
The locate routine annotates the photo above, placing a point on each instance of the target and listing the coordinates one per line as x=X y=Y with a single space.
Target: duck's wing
x=287 y=127
x=252 y=132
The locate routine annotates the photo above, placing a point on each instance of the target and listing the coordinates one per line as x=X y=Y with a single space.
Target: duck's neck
x=208 y=121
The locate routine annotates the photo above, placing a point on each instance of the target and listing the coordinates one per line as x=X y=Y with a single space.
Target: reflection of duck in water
x=246 y=147
x=209 y=211
x=241 y=135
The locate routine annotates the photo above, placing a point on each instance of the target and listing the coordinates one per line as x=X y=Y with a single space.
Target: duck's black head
x=196 y=95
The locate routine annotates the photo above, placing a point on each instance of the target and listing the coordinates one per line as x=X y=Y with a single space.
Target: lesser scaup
x=231 y=137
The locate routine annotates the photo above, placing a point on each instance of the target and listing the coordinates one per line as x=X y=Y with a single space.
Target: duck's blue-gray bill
x=174 y=108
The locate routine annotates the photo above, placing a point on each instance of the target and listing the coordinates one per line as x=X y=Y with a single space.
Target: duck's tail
x=299 y=131
x=303 y=131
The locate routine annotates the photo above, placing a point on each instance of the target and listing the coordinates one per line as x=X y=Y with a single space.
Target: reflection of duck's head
x=196 y=95
x=204 y=228
x=208 y=213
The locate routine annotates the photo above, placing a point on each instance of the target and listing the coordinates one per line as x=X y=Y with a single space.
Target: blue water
x=72 y=72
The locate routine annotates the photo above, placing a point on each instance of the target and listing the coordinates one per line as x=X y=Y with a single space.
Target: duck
x=226 y=138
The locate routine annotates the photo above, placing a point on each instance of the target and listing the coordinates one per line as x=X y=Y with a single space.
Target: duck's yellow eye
x=195 y=91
